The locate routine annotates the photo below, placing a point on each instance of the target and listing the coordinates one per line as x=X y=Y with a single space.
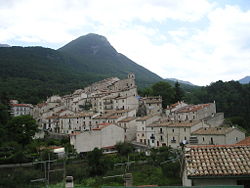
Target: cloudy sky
x=201 y=41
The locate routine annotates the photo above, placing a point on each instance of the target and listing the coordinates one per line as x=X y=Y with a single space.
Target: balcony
x=107 y=102
x=173 y=141
x=193 y=140
x=108 y=107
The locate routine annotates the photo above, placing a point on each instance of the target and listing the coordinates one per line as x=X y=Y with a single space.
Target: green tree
x=22 y=129
x=165 y=90
x=96 y=162
x=124 y=148
x=179 y=93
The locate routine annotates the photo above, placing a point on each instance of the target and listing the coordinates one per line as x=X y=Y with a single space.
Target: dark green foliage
x=179 y=93
x=32 y=74
x=21 y=129
x=165 y=90
x=171 y=169
x=96 y=162
x=124 y=148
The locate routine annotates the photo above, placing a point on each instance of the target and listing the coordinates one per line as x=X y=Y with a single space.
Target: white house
x=105 y=135
x=21 y=109
x=129 y=126
x=218 y=135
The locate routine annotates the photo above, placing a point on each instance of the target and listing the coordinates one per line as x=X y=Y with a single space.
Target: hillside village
x=110 y=111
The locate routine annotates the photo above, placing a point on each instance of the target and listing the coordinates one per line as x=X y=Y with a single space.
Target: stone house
x=141 y=124
x=195 y=112
x=171 y=109
x=21 y=109
x=78 y=122
x=168 y=133
x=129 y=126
x=153 y=104
x=103 y=136
x=216 y=165
x=218 y=135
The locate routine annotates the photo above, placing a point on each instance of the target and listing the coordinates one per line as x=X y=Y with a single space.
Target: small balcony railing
x=173 y=141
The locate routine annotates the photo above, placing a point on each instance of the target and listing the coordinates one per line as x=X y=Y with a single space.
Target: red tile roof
x=217 y=160
x=21 y=105
x=246 y=141
x=128 y=119
x=174 y=124
x=193 y=108
x=213 y=131
x=101 y=126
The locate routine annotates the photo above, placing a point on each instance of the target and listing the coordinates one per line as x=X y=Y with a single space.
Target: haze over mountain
x=245 y=80
x=4 y=45
x=180 y=81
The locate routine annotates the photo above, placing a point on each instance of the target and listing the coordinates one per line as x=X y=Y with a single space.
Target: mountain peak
x=245 y=80
x=91 y=45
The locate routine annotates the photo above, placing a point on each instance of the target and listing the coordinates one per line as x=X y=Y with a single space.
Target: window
x=184 y=129
x=173 y=130
x=160 y=130
x=203 y=139
x=212 y=140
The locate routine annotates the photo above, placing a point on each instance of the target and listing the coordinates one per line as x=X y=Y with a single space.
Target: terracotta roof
x=113 y=117
x=145 y=118
x=128 y=119
x=21 y=105
x=193 y=108
x=174 y=124
x=246 y=141
x=174 y=105
x=122 y=97
x=41 y=105
x=101 y=126
x=52 y=117
x=218 y=160
x=213 y=130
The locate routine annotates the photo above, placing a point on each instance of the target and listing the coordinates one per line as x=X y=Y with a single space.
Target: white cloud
x=140 y=29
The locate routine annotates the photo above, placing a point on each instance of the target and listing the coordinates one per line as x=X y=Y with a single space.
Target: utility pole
x=48 y=167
